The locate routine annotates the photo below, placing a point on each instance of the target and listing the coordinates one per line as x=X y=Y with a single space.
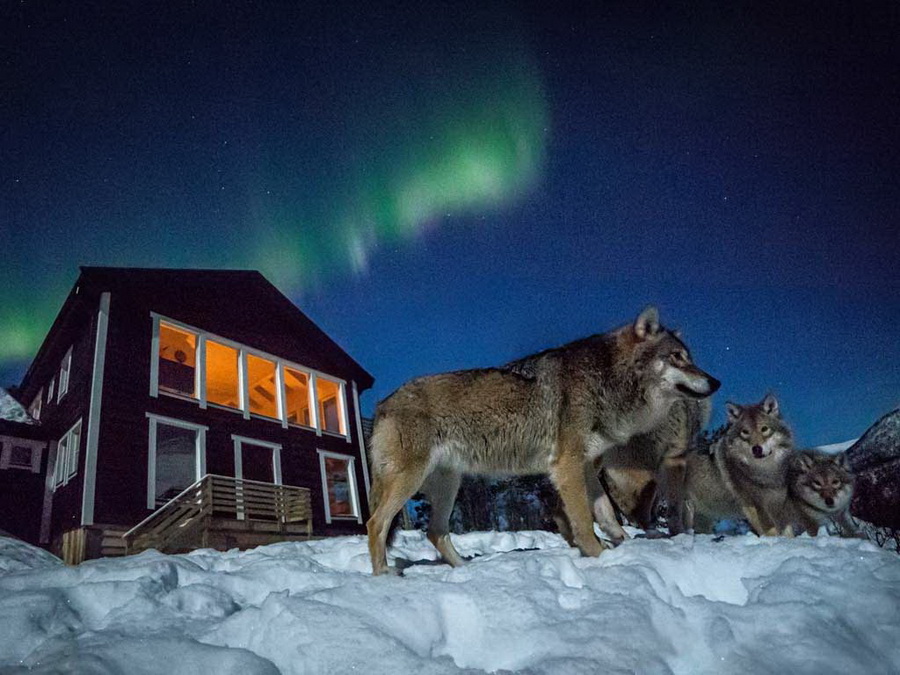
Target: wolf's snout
x=714 y=385
x=757 y=451
x=829 y=501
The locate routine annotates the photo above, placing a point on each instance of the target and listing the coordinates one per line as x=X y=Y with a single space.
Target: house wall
x=122 y=460
x=58 y=416
x=21 y=490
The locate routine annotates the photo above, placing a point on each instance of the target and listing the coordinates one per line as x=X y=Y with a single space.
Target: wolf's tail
x=384 y=449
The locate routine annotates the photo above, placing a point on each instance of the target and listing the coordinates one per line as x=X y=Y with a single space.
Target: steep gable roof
x=247 y=293
x=241 y=288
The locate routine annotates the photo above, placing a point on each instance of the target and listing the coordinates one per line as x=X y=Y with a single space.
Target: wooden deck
x=223 y=512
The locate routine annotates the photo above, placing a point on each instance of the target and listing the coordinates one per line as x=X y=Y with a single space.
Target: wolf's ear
x=804 y=461
x=647 y=323
x=733 y=410
x=841 y=460
x=770 y=405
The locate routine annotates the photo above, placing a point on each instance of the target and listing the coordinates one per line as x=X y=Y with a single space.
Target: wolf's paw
x=591 y=549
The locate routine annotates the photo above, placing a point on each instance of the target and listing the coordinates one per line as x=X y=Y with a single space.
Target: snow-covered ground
x=527 y=602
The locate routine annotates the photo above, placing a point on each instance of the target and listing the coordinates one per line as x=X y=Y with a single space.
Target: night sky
x=442 y=186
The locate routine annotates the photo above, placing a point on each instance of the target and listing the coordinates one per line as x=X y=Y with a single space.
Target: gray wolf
x=821 y=488
x=745 y=475
x=634 y=474
x=550 y=413
x=655 y=463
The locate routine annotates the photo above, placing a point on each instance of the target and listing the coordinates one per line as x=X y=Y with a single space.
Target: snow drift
x=527 y=602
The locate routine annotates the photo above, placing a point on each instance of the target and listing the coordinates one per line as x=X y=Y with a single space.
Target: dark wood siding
x=122 y=462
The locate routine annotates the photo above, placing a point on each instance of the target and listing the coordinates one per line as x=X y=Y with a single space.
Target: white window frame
x=51 y=389
x=36 y=404
x=9 y=443
x=199 y=451
x=342 y=408
x=244 y=395
x=65 y=370
x=354 y=488
x=239 y=456
x=67 y=453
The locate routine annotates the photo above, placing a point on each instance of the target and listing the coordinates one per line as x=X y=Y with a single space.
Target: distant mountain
x=835 y=448
x=875 y=459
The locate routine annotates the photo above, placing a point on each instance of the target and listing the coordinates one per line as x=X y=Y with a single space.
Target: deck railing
x=220 y=497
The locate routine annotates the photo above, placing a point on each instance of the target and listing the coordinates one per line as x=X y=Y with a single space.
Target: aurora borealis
x=373 y=152
x=451 y=185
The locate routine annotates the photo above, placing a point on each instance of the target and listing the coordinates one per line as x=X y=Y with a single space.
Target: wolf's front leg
x=568 y=475
x=848 y=527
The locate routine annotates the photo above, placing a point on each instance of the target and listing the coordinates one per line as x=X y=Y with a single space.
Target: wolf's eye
x=764 y=429
x=835 y=483
x=745 y=433
x=675 y=358
x=817 y=485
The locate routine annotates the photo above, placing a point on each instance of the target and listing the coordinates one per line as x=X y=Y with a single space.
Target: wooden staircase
x=223 y=512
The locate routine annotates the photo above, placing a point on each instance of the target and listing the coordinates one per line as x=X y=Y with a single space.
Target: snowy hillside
x=687 y=605
x=880 y=443
x=11 y=409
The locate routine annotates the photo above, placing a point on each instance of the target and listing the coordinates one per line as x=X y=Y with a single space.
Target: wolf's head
x=663 y=361
x=824 y=482
x=757 y=431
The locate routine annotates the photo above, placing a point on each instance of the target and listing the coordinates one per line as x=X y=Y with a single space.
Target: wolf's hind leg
x=440 y=488
x=602 y=507
x=393 y=490
x=673 y=473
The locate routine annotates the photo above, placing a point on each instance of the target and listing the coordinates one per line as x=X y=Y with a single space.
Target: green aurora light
x=424 y=149
x=431 y=121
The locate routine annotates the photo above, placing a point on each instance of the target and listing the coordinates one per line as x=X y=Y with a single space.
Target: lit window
x=296 y=393
x=222 y=375
x=261 y=386
x=64 y=369
x=340 y=486
x=177 y=361
x=331 y=408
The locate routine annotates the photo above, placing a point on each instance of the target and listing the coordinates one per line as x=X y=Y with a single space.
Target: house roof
x=245 y=293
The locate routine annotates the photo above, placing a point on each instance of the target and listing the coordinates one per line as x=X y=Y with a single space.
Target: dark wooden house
x=192 y=408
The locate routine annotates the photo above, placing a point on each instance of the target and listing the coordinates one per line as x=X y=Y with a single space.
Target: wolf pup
x=553 y=412
x=820 y=488
x=746 y=473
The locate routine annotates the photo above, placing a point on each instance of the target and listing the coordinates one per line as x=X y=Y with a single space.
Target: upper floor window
x=50 y=388
x=331 y=412
x=296 y=397
x=192 y=364
x=261 y=386
x=223 y=386
x=65 y=368
x=177 y=361
x=35 y=408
